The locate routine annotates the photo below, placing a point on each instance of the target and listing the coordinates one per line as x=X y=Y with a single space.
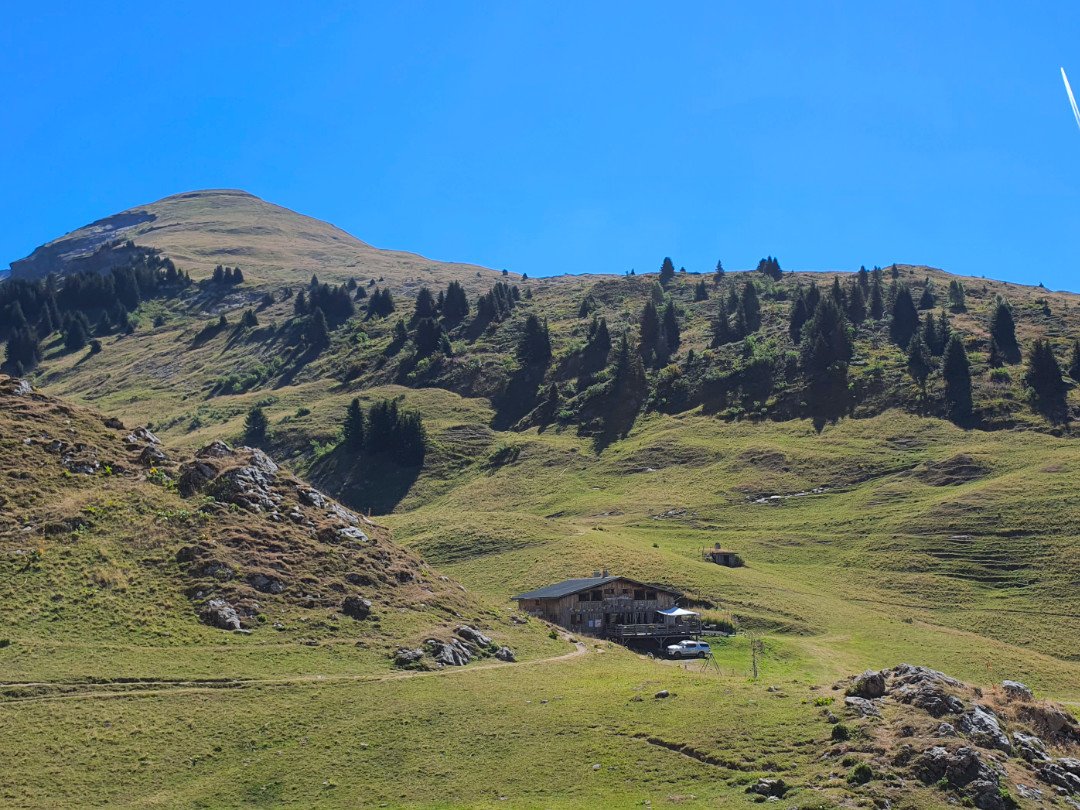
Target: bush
x=861 y=774
x=840 y=732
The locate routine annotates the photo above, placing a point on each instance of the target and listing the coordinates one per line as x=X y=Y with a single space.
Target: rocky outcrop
x=356 y=607
x=466 y=645
x=219 y=613
x=965 y=772
x=977 y=754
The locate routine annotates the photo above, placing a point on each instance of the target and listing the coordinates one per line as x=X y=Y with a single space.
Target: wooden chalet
x=613 y=607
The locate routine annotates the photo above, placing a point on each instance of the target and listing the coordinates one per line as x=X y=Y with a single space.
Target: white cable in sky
x=1072 y=98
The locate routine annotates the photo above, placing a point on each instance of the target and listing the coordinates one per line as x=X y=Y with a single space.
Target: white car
x=689 y=649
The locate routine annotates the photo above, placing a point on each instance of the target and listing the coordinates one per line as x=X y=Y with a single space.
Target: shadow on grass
x=365 y=484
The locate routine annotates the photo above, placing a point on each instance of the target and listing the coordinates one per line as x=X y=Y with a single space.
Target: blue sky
x=556 y=137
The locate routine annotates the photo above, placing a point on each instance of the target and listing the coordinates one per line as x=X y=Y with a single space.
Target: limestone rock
x=505 y=654
x=1015 y=690
x=862 y=706
x=982 y=726
x=869 y=685
x=472 y=635
x=219 y=613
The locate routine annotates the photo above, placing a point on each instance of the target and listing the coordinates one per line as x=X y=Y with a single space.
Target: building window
x=597 y=596
x=639 y=594
x=651 y=595
x=609 y=591
x=583 y=597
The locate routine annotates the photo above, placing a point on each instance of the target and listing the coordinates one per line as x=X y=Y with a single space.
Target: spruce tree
x=667 y=271
x=255 y=426
x=927 y=299
x=826 y=350
x=1074 y=361
x=905 y=318
x=919 y=364
x=1043 y=377
x=837 y=293
x=300 y=304
x=651 y=332
x=856 y=307
x=317 y=333
x=798 y=317
x=956 y=372
x=76 y=334
x=721 y=325
x=534 y=346
x=425 y=305
x=957 y=296
x=701 y=292
x=750 y=307
x=353 y=428
x=863 y=278
x=671 y=328
x=877 y=300
x=718 y=275
x=456 y=304
x=1003 y=331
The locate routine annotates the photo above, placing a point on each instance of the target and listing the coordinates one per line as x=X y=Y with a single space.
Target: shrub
x=861 y=774
x=840 y=732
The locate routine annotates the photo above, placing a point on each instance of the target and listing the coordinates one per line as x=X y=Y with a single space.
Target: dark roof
x=570 y=586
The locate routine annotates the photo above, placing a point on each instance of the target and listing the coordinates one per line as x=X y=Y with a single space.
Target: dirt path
x=83 y=690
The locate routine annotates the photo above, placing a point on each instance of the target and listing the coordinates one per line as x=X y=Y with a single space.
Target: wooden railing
x=652 y=630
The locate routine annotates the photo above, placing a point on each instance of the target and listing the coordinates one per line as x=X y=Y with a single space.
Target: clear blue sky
x=558 y=137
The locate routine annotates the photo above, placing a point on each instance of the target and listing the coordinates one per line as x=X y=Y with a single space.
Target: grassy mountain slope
x=201 y=229
x=889 y=535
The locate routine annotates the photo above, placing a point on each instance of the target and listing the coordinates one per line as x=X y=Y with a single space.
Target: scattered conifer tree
x=1043 y=377
x=956 y=372
x=353 y=429
x=255 y=426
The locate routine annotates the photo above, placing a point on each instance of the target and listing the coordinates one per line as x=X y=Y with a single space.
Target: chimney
x=607 y=573
x=596 y=574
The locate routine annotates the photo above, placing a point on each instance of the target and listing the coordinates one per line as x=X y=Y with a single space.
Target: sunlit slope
x=201 y=229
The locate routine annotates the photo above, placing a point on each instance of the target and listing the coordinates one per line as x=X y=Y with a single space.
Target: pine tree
x=249 y=320
x=667 y=271
x=718 y=275
x=255 y=426
x=877 y=301
x=651 y=332
x=455 y=306
x=732 y=299
x=826 y=350
x=837 y=293
x=317 y=333
x=927 y=299
x=218 y=276
x=353 y=429
x=919 y=364
x=864 y=281
x=956 y=372
x=300 y=304
x=721 y=328
x=76 y=335
x=905 y=318
x=428 y=336
x=771 y=268
x=797 y=318
x=701 y=292
x=1003 y=331
x=957 y=296
x=1074 y=361
x=670 y=326
x=1043 y=377
x=534 y=346
x=425 y=305
x=856 y=307
x=750 y=307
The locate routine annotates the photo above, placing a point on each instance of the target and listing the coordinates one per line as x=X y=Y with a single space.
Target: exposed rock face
x=219 y=613
x=356 y=607
x=868 y=685
x=768 y=787
x=139 y=437
x=266 y=583
x=862 y=707
x=982 y=726
x=505 y=654
x=475 y=636
x=451 y=653
x=989 y=740
x=962 y=770
x=1015 y=690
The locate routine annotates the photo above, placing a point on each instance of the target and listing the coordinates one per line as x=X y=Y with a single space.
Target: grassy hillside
x=889 y=535
x=201 y=229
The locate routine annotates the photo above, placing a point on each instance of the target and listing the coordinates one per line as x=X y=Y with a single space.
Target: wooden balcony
x=632 y=631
